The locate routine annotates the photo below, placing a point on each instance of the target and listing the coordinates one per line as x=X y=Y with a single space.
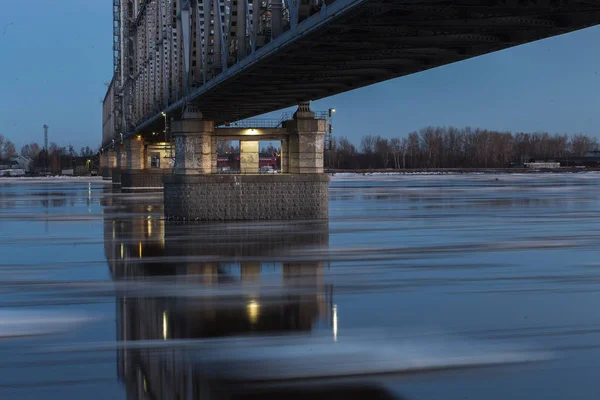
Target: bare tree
x=382 y=150
x=396 y=148
x=30 y=150
x=580 y=145
x=8 y=149
x=346 y=154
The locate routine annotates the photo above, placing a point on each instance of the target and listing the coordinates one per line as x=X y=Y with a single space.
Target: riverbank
x=437 y=171
x=52 y=179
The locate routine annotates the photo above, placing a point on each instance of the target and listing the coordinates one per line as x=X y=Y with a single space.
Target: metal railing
x=269 y=122
x=254 y=123
x=286 y=116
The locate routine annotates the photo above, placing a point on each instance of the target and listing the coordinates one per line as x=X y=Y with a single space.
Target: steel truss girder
x=213 y=52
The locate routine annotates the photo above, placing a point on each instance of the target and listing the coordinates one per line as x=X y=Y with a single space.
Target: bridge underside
x=376 y=41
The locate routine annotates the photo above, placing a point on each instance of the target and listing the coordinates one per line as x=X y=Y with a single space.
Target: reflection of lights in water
x=161 y=228
x=122 y=250
x=89 y=191
x=145 y=385
x=140 y=249
x=253 y=311
x=165 y=326
x=113 y=226
x=335 y=323
x=149 y=226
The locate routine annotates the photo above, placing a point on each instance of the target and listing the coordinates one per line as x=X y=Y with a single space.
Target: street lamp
x=170 y=139
x=329 y=138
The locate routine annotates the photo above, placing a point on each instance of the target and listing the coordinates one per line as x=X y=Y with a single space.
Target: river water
x=507 y=259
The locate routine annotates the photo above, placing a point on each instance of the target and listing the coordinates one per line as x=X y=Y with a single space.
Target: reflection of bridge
x=142 y=249
x=183 y=67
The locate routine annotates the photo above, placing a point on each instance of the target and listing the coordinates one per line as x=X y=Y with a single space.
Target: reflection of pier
x=273 y=292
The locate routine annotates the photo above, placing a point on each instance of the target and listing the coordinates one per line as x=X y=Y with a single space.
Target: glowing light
x=253 y=311
x=164 y=114
x=161 y=231
x=165 y=326
x=138 y=137
x=140 y=249
x=251 y=132
x=335 y=323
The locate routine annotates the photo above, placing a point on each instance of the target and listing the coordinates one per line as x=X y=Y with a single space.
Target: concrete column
x=103 y=161
x=134 y=147
x=293 y=163
x=111 y=158
x=121 y=158
x=120 y=164
x=249 y=163
x=213 y=154
x=163 y=151
x=194 y=138
x=285 y=144
x=107 y=163
x=306 y=141
x=103 y=164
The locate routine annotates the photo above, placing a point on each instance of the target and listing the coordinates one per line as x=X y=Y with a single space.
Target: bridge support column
x=194 y=193
x=249 y=157
x=107 y=161
x=121 y=157
x=120 y=164
x=134 y=149
x=284 y=157
x=194 y=142
x=306 y=141
x=136 y=176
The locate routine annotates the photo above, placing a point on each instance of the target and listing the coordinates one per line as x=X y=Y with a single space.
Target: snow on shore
x=53 y=179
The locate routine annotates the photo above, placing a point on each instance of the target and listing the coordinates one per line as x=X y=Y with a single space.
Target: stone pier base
x=246 y=197
x=116 y=176
x=133 y=180
x=106 y=173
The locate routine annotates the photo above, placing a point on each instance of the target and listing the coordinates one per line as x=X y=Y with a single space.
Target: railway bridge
x=183 y=68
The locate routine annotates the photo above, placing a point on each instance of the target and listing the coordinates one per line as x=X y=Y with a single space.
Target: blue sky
x=57 y=55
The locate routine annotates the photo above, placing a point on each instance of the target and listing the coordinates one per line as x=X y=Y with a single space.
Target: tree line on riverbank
x=449 y=147
x=54 y=159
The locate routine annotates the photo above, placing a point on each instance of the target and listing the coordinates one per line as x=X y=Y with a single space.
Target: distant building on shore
x=542 y=165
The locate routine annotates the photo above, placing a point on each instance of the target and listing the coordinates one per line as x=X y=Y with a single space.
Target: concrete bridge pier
x=195 y=192
x=120 y=164
x=195 y=144
x=107 y=163
x=306 y=142
x=249 y=156
x=144 y=162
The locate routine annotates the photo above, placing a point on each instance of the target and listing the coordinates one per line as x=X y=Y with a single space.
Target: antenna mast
x=46 y=138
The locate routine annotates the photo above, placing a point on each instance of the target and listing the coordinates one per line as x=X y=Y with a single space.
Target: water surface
x=509 y=259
